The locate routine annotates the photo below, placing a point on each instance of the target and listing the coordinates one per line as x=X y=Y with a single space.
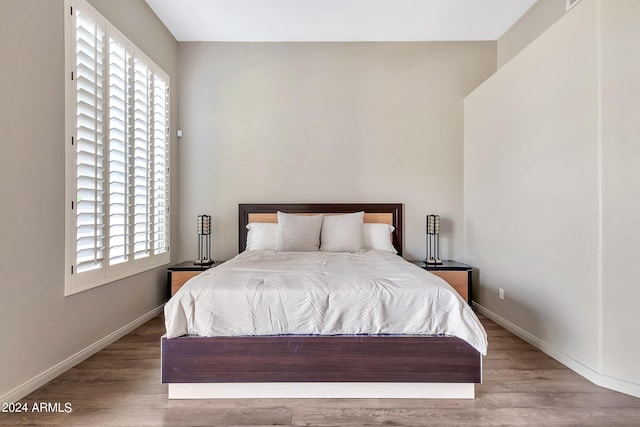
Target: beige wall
x=531 y=188
x=620 y=189
x=41 y=327
x=325 y=122
x=537 y=20
x=550 y=183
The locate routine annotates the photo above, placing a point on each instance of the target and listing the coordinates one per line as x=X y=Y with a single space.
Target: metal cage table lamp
x=204 y=240
x=433 y=240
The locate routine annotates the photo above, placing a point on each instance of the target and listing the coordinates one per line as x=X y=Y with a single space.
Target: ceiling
x=338 y=20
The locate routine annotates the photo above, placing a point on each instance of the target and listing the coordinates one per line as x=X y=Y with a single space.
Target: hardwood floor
x=120 y=386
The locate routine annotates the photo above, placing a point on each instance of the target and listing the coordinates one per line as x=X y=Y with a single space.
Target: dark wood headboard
x=393 y=209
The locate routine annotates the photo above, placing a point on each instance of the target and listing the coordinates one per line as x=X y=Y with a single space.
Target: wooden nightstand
x=177 y=275
x=457 y=274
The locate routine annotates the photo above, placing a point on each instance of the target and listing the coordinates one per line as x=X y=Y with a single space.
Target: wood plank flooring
x=120 y=386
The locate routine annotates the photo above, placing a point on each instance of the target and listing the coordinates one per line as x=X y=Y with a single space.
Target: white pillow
x=378 y=237
x=298 y=232
x=262 y=235
x=342 y=233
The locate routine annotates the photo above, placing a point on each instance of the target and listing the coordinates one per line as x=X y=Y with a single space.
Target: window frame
x=76 y=282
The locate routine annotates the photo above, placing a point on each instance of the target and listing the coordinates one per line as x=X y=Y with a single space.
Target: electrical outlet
x=501 y=293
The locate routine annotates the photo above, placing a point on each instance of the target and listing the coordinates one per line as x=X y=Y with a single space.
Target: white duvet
x=265 y=292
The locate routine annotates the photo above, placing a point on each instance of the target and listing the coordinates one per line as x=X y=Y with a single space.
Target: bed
x=255 y=356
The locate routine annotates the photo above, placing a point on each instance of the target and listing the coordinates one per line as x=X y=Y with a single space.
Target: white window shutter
x=141 y=160
x=89 y=79
x=118 y=166
x=160 y=164
x=119 y=154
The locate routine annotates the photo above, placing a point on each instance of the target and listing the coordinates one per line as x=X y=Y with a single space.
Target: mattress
x=264 y=292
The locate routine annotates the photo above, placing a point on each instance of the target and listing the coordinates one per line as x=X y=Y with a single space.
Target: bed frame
x=340 y=366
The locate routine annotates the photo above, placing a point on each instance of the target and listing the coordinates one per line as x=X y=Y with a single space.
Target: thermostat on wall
x=179 y=133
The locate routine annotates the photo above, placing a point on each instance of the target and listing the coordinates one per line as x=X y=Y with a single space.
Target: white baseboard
x=46 y=376
x=322 y=391
x=597 y=378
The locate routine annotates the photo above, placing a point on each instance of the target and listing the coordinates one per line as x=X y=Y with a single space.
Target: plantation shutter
x=89 y=142
x=119 y=156
x=142 y=160
x=160 y=164
x=118 y=159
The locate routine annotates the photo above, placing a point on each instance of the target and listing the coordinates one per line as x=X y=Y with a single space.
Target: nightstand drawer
x=179 y=278
x=456 y=274
x=179 y=274
x=454 y=278
x=458 y=281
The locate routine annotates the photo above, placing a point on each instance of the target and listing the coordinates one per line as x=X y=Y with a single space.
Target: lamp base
x=204 y=262
x=433 y=261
